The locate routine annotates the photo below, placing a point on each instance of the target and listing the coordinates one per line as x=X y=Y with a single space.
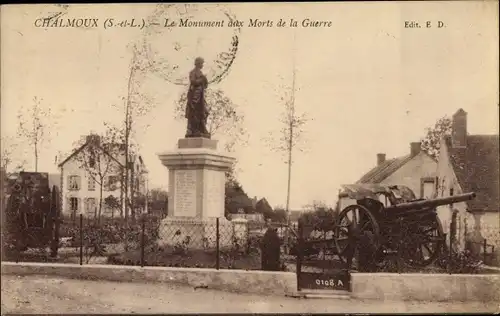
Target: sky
x=368 y=84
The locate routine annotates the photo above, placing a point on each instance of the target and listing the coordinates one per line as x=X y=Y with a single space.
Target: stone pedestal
x=196 y=195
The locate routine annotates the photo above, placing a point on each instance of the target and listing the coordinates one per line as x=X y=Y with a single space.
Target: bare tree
x=35 y=123
x=290 y=136
x=98 y=159
x=135 y=104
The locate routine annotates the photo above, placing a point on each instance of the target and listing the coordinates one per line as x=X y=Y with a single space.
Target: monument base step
x=197 y=142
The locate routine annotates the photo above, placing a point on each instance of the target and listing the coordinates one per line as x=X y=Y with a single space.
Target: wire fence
x=153 y=241
x=222 y=244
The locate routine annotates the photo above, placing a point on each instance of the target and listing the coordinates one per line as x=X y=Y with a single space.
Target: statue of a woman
x=196 y=107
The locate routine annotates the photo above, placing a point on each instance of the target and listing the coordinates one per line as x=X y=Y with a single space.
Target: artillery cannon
x=390 y=220
x=32 y=214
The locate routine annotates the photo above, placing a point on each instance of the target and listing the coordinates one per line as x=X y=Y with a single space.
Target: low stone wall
x=378 y=286
x=256 y=282
x=426 y=287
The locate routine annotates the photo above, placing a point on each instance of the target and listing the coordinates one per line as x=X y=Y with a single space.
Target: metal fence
x=147 y=241
x=219 y=244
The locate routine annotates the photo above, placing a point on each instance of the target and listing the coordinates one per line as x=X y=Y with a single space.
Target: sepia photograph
x=329 y=157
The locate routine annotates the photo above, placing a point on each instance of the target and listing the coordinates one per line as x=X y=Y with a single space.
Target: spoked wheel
x=55 y=214
x=355 y=223
x=425 y=244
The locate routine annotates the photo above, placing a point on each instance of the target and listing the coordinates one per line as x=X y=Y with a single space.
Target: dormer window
x=92 y=160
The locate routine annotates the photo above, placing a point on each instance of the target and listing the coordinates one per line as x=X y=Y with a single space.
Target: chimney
x=415 y=148
x=459 y=129
x=92 y=138
x=380 y=159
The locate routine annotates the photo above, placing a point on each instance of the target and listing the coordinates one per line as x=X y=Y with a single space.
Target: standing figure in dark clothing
x=196 y=107
x=271 y=250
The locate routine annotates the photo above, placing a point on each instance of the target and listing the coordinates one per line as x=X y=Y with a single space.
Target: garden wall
x=379 y=286
x=259 y=282
x=426 y=287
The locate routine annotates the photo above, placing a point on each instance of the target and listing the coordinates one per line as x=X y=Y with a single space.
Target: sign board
x=337 y=280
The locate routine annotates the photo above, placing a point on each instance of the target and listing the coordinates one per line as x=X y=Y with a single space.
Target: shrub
x=459 y=262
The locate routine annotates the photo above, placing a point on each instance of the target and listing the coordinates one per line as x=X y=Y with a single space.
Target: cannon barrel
x=432 y=203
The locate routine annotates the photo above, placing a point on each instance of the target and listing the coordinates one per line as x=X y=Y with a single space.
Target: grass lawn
x=167 y=257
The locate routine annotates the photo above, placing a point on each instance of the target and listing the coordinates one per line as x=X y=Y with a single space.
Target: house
x=416 y=170
x=470 y=163
x=260 y=208
x=95 y=168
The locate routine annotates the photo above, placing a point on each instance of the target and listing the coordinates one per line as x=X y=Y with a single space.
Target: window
x=428 y=192
x=427 y=188
x=91 y=184
x=74 y=183
x=73 y=202
x=112 y=183
x=90 y=207
x=92 y=159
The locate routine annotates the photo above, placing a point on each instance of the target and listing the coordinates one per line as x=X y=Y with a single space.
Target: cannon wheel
x=55 y=213
x=353 y=222
x=424 y=242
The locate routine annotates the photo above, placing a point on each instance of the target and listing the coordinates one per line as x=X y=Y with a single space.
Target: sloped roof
x=477 y=169
x=385 y=169
x=263 y=204
x=79 y=149
x=237 y=198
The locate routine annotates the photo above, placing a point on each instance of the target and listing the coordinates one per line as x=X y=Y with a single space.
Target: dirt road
x=40 y=294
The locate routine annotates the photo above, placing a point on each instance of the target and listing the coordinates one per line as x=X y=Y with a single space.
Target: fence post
x=484 y=250
x=17 y=251
x=450 y=254
x=217 y=242
x=81 y=239
x=298 y=262
x=143 y=240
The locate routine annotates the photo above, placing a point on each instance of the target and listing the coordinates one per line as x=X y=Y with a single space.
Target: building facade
x=470 y=163
x=417 y=171
x=92 y=181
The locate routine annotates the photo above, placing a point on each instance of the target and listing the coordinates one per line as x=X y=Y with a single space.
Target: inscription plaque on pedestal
x=185 y=193
x=214 y=196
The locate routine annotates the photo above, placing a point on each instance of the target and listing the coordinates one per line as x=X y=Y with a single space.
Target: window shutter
x=79 y=182
x=68 y=208
x=69 y=182
x=79 y=205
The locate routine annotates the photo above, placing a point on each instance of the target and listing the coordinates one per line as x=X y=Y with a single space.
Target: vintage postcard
x=238 y=157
